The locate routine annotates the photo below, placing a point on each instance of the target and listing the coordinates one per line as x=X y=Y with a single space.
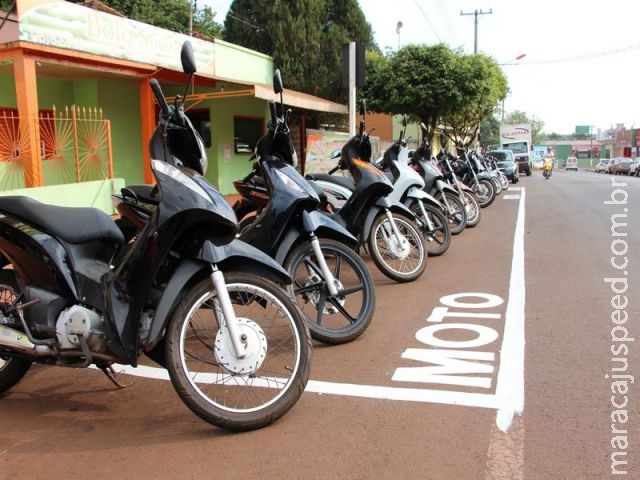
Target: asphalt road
x=496 y=364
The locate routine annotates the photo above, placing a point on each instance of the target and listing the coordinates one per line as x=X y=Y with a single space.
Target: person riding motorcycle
x=547 y=166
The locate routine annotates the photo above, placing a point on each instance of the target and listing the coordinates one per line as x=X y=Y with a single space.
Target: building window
x=246 y=133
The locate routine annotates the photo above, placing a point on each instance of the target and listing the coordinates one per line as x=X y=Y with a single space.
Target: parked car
x=634 y=168
x=620 y=165
x=506 y=161
x=603 y=165
x=571 y=163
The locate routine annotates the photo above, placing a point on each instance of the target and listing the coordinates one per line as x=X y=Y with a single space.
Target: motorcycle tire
x=497 y=185
x=473 y=210
x=12 y=369
x=485 y=192
x=397 y=263
x=332 y=319
x=504 y=181
x=234 y=393
x=458 y=217
x=438 y=239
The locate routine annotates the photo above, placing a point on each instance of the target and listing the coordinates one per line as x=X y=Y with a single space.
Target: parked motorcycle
x=331 y=282
x=185 y=292
x=472 y=173
x=442 y=163
x=435 y=185
x=409 y=189
x=394 y=241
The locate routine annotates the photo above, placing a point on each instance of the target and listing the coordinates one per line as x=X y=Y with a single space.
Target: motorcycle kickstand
x=113 y=376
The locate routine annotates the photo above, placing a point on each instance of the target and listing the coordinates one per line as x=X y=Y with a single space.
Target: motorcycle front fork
x=238 y=339
x=326 y=272
x=402 y=241
x=425 y=218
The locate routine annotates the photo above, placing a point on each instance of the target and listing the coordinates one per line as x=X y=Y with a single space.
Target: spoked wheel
x=457 y=217
x=11 y=369
x=404 y=260
x=332 y=319
x=438 y=239
x=472 y=208
x=485 y=192
x=238 y=393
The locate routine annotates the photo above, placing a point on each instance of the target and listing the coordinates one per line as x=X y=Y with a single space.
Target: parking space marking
x=508 y=398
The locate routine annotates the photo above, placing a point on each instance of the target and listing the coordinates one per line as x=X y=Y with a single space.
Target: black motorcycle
x=185 y=292
x=395 y=243
x=331 y=283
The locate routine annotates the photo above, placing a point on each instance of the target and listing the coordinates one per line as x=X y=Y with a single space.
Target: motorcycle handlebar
x=157 y=91
x=272 y=109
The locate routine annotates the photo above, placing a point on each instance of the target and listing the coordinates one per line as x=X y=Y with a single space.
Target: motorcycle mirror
x=423 y=127
x=277 y=81
x=404 y=120
x=187 y=58
x=363 y=107
x=335 y=154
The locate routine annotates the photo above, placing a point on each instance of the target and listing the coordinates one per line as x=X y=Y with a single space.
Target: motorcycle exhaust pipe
x=17 y=341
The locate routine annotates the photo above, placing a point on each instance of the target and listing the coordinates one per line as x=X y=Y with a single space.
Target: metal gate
x=75 y=146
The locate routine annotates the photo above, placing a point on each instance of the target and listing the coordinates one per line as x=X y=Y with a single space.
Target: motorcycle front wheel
x=11 y=369
x=437 y=240
x=400 y=261
x=485 y=192
x=332 y=319
x=472 y=208
x=227 y=391
x=457 y=216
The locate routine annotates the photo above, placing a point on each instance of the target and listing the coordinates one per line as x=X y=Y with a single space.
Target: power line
x=428 y=21
x=588 y=56
x=475 y=36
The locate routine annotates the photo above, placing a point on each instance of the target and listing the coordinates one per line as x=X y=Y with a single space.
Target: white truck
x=517 y=138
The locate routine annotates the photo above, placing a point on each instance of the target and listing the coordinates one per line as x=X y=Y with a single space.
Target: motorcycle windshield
x=184 y=189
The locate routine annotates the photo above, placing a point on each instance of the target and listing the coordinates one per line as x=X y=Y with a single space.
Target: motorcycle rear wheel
x=238 y=393
x=339 y=319
x=385 y=251
x=12 y=369
x=437 y=240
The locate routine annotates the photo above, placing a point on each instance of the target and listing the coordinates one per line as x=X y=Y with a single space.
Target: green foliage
x=169 y=14
x=304 y=37
x=5 y=5
x=438 y=85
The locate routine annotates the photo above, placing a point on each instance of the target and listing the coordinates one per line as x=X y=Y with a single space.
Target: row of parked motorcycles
x=227 y=298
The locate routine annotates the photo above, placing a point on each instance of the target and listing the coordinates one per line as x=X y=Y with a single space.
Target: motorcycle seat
x=346 y=182
x=71 y=224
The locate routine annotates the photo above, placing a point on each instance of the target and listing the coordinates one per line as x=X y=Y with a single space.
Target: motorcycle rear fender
x=484 y=175
x=323 y=225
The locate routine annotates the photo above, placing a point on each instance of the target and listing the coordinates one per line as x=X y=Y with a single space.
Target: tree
x=304 y=37
x=169 y=14
x=480 y=86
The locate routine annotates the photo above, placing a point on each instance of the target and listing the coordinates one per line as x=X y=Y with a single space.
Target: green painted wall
x=7 y=90
x=222 y=172
x=120 y=103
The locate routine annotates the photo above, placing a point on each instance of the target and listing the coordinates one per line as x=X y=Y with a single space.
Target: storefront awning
x=292 y=98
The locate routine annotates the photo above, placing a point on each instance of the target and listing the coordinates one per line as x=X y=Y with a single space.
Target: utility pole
x=475 y=36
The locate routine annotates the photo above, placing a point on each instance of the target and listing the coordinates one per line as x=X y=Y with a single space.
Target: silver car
x=603 y=165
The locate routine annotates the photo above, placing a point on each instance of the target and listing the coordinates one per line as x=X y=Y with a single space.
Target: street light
x=398 y=27
x=510 y=62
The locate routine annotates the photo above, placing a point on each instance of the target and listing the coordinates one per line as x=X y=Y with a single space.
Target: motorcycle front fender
x=381 y=205
x=418 y=194
x=319 y=223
